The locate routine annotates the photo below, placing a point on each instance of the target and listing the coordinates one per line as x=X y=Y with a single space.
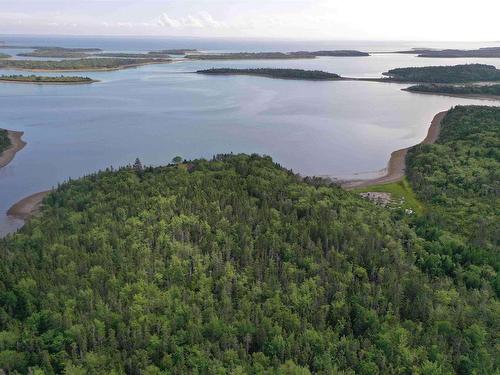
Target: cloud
x=200 y=20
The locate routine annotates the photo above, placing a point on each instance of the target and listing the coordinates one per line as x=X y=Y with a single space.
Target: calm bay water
x=159 y=111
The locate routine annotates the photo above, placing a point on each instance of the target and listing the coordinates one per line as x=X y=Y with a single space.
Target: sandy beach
x=28 y=206
x=397 y=163
x=17 y=144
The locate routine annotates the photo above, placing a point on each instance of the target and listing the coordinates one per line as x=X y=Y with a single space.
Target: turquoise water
x=157 y=112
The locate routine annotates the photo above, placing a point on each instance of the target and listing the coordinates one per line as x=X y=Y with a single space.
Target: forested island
x=60 y=52
x=87 y=64
x=476 y=90
x=313 y=75
x=237 y=266
x=445 y=74
x=4 y=140
x=46 y=79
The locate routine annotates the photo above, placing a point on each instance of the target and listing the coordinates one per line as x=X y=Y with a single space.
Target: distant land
x=60 y=52
x=247 y=56
x=336 y=53
x=300 y=74
x=454 y=53
x=133 y=55
x=4 y=56
x=178 y=51
x=88 y=64
x=445 y=74
x=45 y=79
x=275 y=55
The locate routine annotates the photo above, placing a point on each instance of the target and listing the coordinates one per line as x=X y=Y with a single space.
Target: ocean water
x=339 y=129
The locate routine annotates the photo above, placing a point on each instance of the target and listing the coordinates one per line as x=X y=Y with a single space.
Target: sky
x=440 y=20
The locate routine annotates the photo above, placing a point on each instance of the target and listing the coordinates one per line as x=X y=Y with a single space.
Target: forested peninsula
x=85 y=64
x=46 y=79
x=4 y=140
x=445 y=74
x=474 y=90
x=299 y=74
x=237 y=265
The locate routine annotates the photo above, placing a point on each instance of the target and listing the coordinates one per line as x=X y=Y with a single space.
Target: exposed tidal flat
x=156 y=112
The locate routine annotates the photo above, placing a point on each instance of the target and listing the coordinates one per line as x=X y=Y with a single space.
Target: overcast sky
x=476 y=20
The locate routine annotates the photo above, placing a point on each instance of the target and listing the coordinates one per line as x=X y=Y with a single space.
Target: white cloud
x=200 y=20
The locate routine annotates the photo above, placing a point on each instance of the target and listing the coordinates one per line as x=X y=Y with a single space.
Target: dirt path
x=397 y=162
x=28 y=206
x=16 y=145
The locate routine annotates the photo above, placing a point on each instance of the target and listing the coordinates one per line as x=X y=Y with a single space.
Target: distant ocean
x=129 y=43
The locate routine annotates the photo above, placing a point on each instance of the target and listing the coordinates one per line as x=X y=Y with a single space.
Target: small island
x=60 y=52
x=46 y=79
x=88 y=64
x=4 y=56
x=459 y=90
x=310 y=75
x=445 y=74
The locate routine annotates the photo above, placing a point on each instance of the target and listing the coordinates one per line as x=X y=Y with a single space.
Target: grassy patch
x=401 y=192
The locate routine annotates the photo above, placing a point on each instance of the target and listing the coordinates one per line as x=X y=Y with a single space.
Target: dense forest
x=313 y=75
x=105 y=63
x=446 y=74
x=45 y=79
x=458 y=179
x=4 y=140
x=457 y=89
x=238 y=266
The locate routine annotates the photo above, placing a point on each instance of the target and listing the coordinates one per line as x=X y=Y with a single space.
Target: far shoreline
x=17 y=144
x=396 y=166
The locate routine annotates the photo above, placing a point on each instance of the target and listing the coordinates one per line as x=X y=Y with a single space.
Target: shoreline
x=28 y=206
x=17 y=144
x=462 y=96
x=397 y=163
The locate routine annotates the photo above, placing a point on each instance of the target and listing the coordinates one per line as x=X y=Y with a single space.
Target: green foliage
x=446 y=74
x=458 y=89
x=315 y=75
x=230 y=266
x=458 y=179
x=4 y=140
x=104 y=63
